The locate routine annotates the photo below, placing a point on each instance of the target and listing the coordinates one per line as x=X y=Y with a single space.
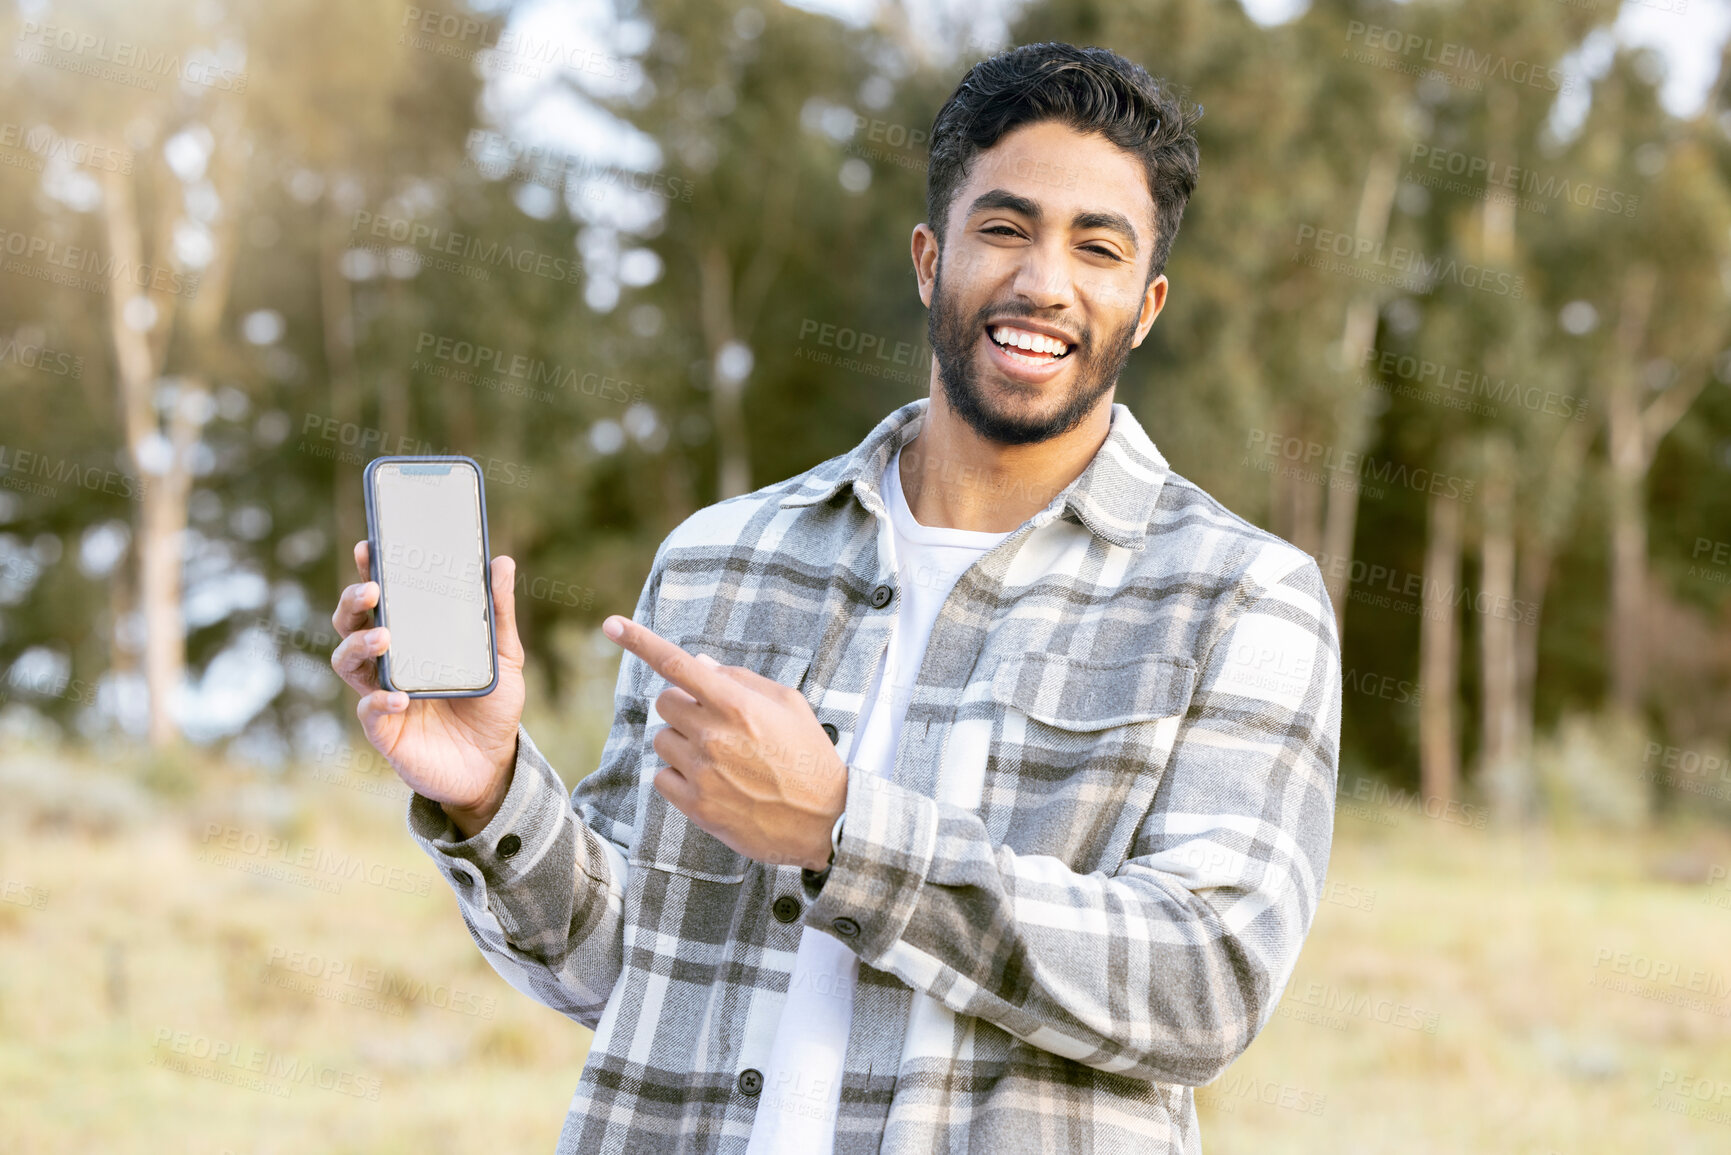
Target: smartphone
x=427 y=544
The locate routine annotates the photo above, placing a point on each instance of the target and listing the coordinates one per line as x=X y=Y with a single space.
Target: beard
x=954 y=340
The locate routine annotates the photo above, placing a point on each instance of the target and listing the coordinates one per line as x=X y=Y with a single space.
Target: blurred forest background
x=642 y=257
x=1448 y=310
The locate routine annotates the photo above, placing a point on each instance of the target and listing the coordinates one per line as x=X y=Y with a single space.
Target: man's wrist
x=816 y=878
x=471 y=820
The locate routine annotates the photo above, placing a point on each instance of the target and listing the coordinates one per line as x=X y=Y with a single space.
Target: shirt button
x=846 y=927
x=786 y=908
x=881 y=597
x=831 y=733
x=750 y=1081
x=509 y=845
x=463 y=877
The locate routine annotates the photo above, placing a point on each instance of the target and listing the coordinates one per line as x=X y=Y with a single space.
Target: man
x=971 y=791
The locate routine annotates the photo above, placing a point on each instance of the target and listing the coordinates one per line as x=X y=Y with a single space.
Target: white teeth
x=1033 y=342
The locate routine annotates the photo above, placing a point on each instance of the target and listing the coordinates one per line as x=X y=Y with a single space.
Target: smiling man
x=971 y=791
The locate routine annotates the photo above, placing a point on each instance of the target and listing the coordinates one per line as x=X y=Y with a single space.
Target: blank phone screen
x=432 y=575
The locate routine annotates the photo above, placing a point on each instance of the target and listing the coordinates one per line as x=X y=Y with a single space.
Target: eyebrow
x=1000 y=198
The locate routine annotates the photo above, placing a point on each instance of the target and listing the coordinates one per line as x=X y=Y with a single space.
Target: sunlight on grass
x=263 y=968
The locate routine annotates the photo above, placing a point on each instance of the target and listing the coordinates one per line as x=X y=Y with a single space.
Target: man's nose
x=1043 y=278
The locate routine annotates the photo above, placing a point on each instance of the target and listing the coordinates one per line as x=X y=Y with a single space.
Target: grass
x=1475 y=1005
x=1458 y=992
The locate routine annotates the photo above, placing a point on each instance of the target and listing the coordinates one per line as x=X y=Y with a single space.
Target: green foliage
x=789 y=185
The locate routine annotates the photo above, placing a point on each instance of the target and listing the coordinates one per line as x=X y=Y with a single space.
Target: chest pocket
x=667 y=840
x=1087 y=697
x=1077 y=751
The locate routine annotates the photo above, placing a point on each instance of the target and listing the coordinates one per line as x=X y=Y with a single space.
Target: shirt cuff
x=887 y=846
x=500 y=860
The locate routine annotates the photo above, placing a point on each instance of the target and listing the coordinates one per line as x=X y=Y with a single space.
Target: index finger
x=680 y=668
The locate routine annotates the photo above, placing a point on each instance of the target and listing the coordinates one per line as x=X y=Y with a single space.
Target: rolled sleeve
x=888 y=838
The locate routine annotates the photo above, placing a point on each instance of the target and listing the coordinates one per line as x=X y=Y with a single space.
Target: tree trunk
x=161 y=463
x=1532 y=578
x=1358 y=335
x=1627 y=505
x=1548 y=521
x=1295 y=504
x=338 y=327
x=1439 y=653
x=726 y=390
x=1502 y=770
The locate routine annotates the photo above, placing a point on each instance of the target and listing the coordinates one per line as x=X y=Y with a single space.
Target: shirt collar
x=1114 y=497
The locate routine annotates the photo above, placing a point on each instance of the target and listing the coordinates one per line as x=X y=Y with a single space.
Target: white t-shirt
x=796 y=1114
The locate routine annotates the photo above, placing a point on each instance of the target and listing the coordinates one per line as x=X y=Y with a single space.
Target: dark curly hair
x=1093 y=90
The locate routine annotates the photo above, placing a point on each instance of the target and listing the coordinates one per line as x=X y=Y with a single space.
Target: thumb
x=382 y=714
x=505 y=609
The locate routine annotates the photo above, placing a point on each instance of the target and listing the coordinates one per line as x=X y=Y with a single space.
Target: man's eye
x=1103 y=251
x=1002 y=230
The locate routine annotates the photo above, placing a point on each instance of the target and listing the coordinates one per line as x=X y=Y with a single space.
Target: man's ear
x=925 y=253
x=1153 y=300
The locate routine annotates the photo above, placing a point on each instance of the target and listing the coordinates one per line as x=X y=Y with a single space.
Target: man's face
x=1047 y=251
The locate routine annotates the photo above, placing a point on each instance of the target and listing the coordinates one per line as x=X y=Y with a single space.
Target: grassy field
x=254 y=968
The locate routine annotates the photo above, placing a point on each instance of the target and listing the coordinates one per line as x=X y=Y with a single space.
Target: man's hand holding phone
x=457 y=751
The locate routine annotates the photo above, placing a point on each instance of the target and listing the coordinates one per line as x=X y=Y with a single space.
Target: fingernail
x=707 y=660
x=614 y=627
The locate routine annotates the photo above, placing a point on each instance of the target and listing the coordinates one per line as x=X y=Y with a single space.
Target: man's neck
x=955 y=479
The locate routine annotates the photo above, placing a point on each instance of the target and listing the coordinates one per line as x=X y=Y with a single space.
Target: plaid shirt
x=1079 y=895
